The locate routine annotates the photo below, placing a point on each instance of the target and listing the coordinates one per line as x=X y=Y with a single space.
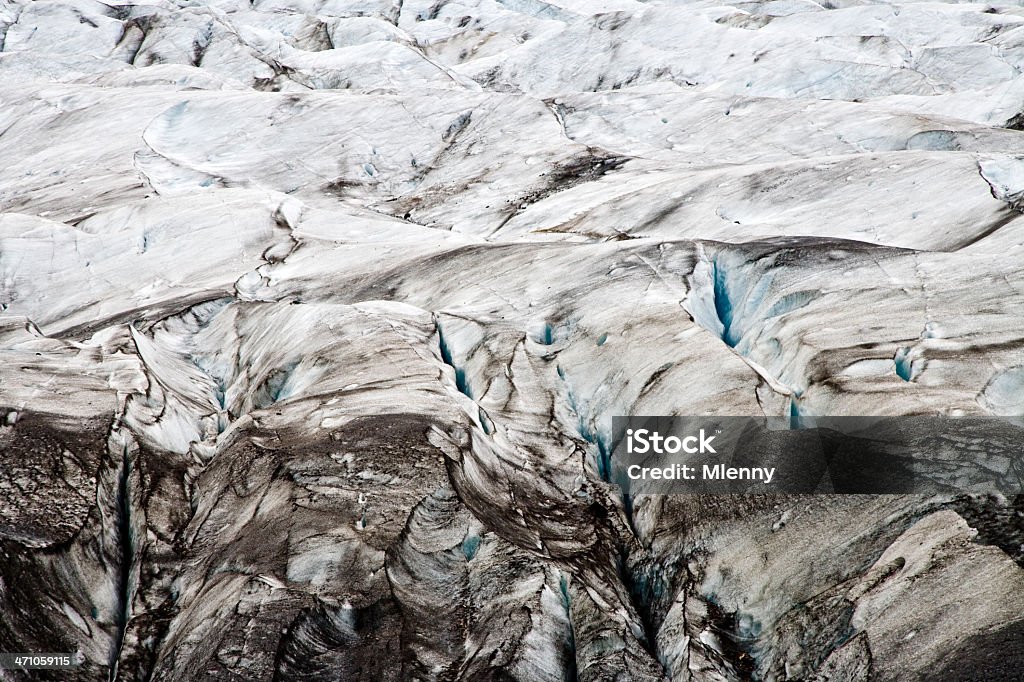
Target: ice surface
x=314 y=316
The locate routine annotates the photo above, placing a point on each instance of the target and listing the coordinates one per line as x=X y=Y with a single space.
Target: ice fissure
x=126 y=560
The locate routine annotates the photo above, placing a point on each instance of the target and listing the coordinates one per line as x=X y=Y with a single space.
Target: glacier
x=314 y=316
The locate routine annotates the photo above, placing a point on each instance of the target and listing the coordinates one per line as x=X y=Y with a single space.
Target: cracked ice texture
x=314 y=316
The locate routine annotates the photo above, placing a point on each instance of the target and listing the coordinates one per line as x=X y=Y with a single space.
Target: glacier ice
x=314 y=316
